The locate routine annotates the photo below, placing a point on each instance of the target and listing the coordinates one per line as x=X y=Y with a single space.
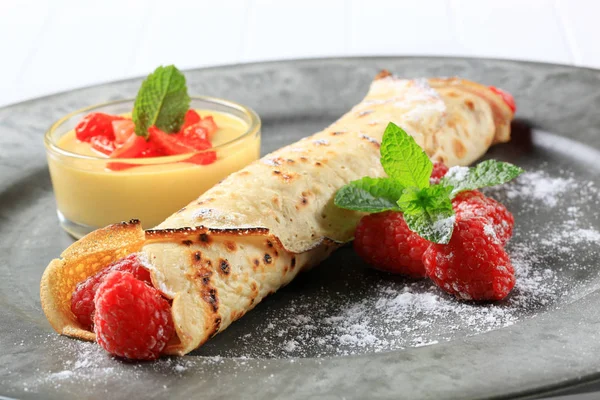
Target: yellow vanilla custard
x=90 y=195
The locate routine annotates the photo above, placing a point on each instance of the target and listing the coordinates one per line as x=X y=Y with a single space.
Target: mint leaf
x=428 y=212
x=486 y=173
x=369 y=195
x=161 y=101
x=402 y=158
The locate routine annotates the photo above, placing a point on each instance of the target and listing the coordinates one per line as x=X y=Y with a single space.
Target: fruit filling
x=130 y=317
x=507 y=97
x=116 y=137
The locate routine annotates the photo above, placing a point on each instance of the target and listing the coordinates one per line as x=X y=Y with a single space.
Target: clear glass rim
x=253 y=128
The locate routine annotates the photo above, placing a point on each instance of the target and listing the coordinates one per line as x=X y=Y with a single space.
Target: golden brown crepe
x=251 y=234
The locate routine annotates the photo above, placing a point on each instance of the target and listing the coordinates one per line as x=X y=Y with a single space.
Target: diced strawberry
x=210 y=125
x=96 y=124
x=170 y=143
x=206 y=158
x=191 y=117
x=123 y=129
x=120 y=166
x=132 y=148
x=152 y=150
x=195 y=136
x=102 y=144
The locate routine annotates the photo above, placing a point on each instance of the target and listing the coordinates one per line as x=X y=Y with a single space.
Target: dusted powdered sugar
x=356 y=310
x=541 y=187
x=458 y=173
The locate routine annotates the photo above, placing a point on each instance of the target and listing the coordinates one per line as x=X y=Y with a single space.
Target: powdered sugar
x=458 y=173
x=539 y=186
x=350 y=309
x=89 y=366
x=442 y=226
x=489 y=230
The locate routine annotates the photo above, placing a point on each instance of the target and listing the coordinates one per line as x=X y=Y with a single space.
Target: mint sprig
x=484 y=174
x=403 y=159
x=370 y=195
x=161 y=101
x=429 y=212
x=427 y=208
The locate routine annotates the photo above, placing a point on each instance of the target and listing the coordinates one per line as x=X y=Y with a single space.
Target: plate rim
x=355 y=59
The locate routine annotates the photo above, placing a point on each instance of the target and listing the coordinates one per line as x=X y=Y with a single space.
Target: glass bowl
x=89 y=195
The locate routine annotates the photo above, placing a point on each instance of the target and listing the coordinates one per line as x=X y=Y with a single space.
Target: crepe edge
x=60 y=275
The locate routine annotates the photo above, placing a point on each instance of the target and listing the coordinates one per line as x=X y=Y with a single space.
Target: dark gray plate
x=341 y=330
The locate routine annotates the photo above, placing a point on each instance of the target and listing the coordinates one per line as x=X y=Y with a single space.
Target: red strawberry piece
x=205 y=158
x=132 y=148
x=507 y=97
x=194 y=133
x=210 y=125
x=475 y=203
x=385 y=241
x=82 y=301
x=96 y=124
x=151 y=150
x=132 y=319
x=191 y=117
x=169 y=143
x=123 y=129
x=439 y=171
x=473 y=265
x=102 y=144
x=120 y=166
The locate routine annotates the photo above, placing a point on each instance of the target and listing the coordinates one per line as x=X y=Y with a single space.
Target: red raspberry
x=473 y=266
x=474 y=203
x=439 y=170
x=82 y=301
x=132 y=319
x=96 y=124
x=384 y=241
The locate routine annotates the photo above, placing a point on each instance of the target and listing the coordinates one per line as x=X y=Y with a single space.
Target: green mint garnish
x=486 y=173
x=402 y=158
x=428 y=212
x=370 y=195
x=427 y=208
x=161 y=101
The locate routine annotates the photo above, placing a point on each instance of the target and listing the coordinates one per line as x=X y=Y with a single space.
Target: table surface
x=50 y=46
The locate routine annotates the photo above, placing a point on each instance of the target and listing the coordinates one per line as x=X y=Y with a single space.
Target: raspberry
x=384 y=241
x=82 y=301
x=473 y=266
x=474 y=203
x=439 y=170
x=132 y=319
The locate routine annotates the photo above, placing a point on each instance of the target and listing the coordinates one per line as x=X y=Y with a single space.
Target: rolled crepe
x=254 y=232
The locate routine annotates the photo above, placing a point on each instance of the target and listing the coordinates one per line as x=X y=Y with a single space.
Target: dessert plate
x=341 y=330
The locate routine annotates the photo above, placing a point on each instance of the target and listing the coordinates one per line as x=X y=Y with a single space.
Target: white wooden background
x=47 y=46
